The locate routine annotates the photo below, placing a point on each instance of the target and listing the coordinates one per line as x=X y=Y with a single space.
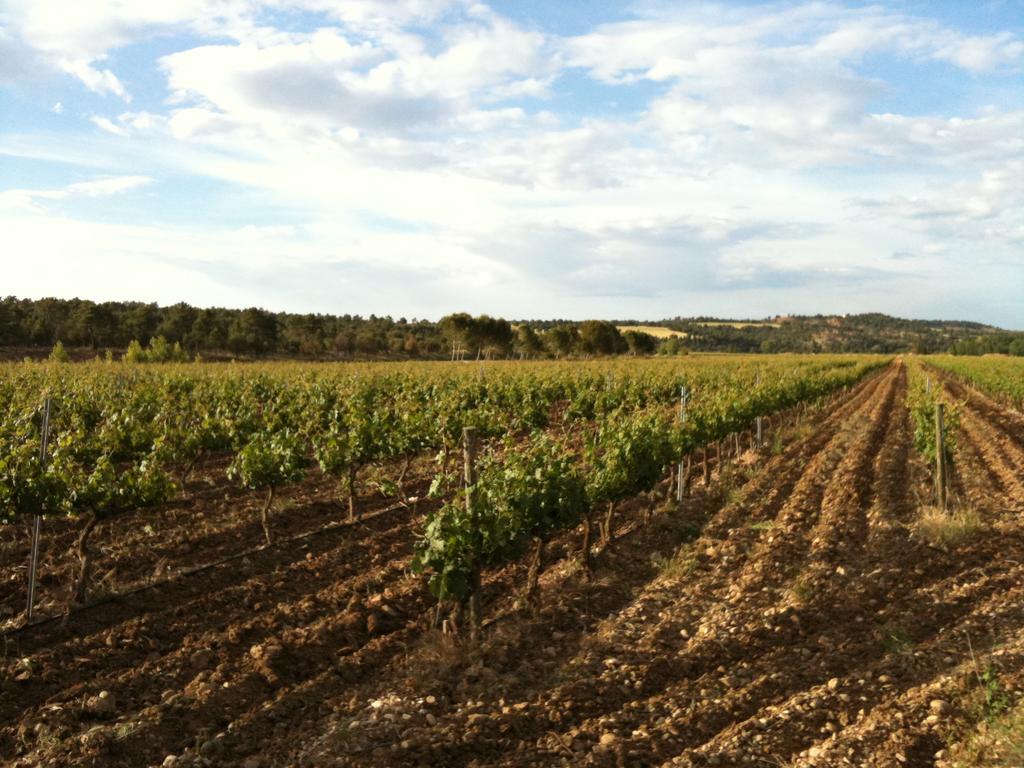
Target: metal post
x=37 y=520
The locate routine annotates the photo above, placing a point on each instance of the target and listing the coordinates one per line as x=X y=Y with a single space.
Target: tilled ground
x=214 y=519
x=786 y=615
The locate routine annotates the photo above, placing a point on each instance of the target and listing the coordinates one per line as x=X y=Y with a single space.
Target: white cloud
x=404 y=139
x=983 y=54
x=327 y=81
x=101 y=81
x=30 y=199
x=109 y=126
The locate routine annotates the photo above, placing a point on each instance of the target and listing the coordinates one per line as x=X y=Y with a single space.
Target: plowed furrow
x=640 y=667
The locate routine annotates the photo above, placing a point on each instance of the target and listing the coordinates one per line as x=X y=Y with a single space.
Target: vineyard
x=710 y=560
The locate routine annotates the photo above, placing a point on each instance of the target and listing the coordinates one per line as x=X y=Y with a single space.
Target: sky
x=521 y=158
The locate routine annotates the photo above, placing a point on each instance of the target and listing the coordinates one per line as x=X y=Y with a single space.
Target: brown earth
x=786 y=615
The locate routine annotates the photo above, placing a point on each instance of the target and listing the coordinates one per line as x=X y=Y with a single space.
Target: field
x=740 y=324
x=660 y=332
x=657 y=331
x=803 y=604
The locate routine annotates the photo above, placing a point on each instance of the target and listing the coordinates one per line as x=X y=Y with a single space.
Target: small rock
x=101 y=705
x=170 y=761
x=940 y=707
x=202 y=659
x=833 y=683
x=376 y=623
x=95 y=738
x=608 y=739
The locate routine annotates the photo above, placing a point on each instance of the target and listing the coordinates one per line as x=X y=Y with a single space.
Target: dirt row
x=787 y=614
x=212 y=519
x=807 y=624
x=991 y=439
x=215 y=667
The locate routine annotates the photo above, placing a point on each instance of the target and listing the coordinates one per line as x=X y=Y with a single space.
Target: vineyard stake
x=684 y=398
x=37 y=520
x=469 y=455
x=940 y=454
x=758 y=384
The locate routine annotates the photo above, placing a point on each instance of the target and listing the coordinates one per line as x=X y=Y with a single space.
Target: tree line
x=147 y=332
x=993 y=344
x=179 y=330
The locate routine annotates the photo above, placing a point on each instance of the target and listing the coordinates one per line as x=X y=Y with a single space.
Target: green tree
x=58 y=354
x=135 y=353
x=640 y=343
x=562 y=340
x=527 y=342
x=599 y=337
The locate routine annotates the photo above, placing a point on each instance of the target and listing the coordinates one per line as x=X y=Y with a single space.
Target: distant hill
x=872 y=332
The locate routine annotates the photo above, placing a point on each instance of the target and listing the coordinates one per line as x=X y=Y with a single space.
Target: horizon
x=635 y=160
x=523 y=319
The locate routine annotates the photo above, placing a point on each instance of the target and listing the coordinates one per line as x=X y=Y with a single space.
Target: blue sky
x=520 y=158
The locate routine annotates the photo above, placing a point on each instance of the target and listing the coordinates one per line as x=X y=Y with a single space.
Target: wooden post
x=586 y=561
x=469 y=457
x=759 y=433
x=37 y=520
x=940 y=454
x=684 y=398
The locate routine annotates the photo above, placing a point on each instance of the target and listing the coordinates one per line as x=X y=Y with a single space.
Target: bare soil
x=786 y=615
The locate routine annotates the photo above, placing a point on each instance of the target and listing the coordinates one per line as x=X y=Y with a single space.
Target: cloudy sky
x=525 y=158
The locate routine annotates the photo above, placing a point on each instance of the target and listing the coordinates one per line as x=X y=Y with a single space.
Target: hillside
x=828 y=333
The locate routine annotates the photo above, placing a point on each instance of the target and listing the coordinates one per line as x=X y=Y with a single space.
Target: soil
x=787 y=614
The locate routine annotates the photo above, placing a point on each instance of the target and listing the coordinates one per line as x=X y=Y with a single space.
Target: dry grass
x=948 y=530
x=677 y=567
x=652 y=330
x=996 y=743
x=802 y=590
x=718 y=323
x=437 y=657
